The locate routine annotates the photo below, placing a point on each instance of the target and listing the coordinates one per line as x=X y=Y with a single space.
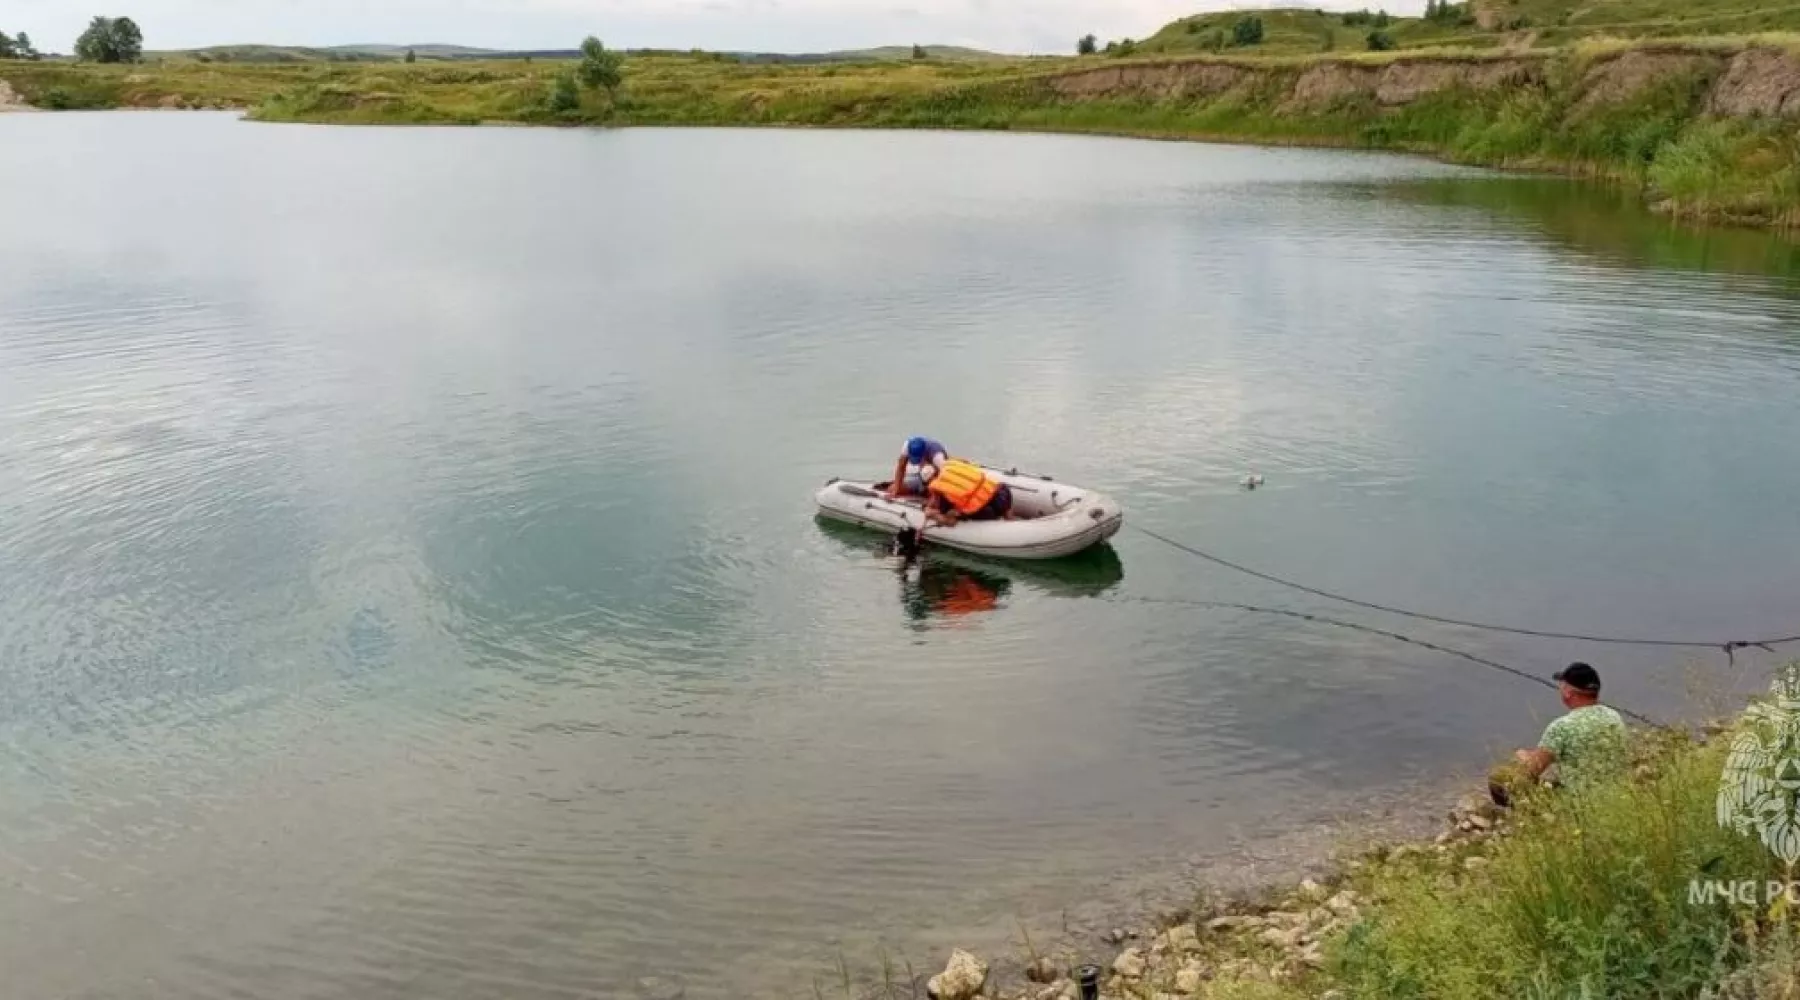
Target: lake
x=409 y=583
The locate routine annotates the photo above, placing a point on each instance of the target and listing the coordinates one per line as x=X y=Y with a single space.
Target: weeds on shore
x=1590 y=896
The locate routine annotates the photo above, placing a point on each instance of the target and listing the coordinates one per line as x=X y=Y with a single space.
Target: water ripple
x=422 y=597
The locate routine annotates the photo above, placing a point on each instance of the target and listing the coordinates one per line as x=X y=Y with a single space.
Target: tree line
x=17 y=47
x=106 y=40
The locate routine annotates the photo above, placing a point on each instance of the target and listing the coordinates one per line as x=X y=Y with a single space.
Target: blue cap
x=915 y=449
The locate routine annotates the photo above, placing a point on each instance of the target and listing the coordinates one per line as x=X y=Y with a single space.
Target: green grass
x=1587 y=897
x=1650 y=18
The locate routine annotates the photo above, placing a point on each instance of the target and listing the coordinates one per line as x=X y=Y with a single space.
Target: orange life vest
x=963 y=485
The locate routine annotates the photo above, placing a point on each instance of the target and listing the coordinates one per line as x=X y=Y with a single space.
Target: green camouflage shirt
x=1589 y=744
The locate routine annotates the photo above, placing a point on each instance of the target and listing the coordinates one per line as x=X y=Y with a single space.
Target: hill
x=334 y=53
x=1470 y=24
x=1298 y=31
x=439 y=53
x=1556 y=21
x=888 y=52
x=430 y=50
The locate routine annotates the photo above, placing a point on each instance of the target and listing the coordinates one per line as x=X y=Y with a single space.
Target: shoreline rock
x=1276 y=935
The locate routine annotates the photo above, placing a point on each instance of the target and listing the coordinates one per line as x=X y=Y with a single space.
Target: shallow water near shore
x=410 y=585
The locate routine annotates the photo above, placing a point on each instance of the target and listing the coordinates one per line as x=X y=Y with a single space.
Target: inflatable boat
x=1051 y=519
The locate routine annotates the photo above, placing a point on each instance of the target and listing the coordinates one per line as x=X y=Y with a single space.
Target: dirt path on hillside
x=10 y=101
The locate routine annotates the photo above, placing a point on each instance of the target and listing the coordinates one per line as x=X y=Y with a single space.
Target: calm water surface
x=409 y=585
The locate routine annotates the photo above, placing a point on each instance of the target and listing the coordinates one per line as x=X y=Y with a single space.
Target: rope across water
x=1729 y=646
x=1435 y=647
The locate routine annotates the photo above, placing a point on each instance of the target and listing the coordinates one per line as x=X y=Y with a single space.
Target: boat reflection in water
x=935 y=590
x=944 y=585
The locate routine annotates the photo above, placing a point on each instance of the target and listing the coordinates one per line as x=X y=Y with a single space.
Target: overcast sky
x=757 y=25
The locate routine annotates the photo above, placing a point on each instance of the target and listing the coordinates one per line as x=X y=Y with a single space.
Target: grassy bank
x=1560 y=898
x=1585 y=898
x=1698 y=127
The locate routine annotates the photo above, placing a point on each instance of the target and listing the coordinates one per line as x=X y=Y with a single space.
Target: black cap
x=1579 y=676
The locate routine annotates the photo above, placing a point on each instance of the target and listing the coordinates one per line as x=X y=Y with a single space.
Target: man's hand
x=1535 y=761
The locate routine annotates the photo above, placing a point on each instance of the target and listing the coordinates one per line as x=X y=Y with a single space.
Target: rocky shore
x=1220 y=946
x=1460 y=904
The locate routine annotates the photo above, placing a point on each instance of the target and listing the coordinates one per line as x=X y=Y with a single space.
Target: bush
x=1214 y=40
x=564 y=96
x=56 y=99
x=1381 y=19
x=1379 y=41
x=1086 y=46
x=1247 y=31
x=600 y=66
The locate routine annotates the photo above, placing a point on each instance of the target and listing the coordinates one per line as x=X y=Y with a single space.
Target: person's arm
x=1535 y=761
x=1538 y=759
x=939 y=510
x=899 y=479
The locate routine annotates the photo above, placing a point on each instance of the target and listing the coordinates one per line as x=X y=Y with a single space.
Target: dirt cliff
x=1754 y=80
x=1758 y=81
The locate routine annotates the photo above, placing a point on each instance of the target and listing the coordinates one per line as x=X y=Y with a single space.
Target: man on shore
x=1587 y=745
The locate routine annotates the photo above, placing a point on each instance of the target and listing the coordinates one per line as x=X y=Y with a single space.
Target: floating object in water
x=1051 y=519
x=1252 y=481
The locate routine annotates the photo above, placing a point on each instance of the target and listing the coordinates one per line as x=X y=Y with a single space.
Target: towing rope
x=1729 y=646
x=1435 y=647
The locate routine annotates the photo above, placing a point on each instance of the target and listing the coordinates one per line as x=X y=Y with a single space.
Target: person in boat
x=920 y=453
x=1587 y=745
x=962 y=491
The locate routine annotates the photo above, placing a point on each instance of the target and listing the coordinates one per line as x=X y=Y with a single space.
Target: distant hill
x=426 y=51
x=1294 y=31
x=334 y=53
x=438 y=52
x=1471 y=24
x=950 y=53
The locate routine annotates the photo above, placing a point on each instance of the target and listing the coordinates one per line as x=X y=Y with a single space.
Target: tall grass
x=1748 y=169
x=1590 y=897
